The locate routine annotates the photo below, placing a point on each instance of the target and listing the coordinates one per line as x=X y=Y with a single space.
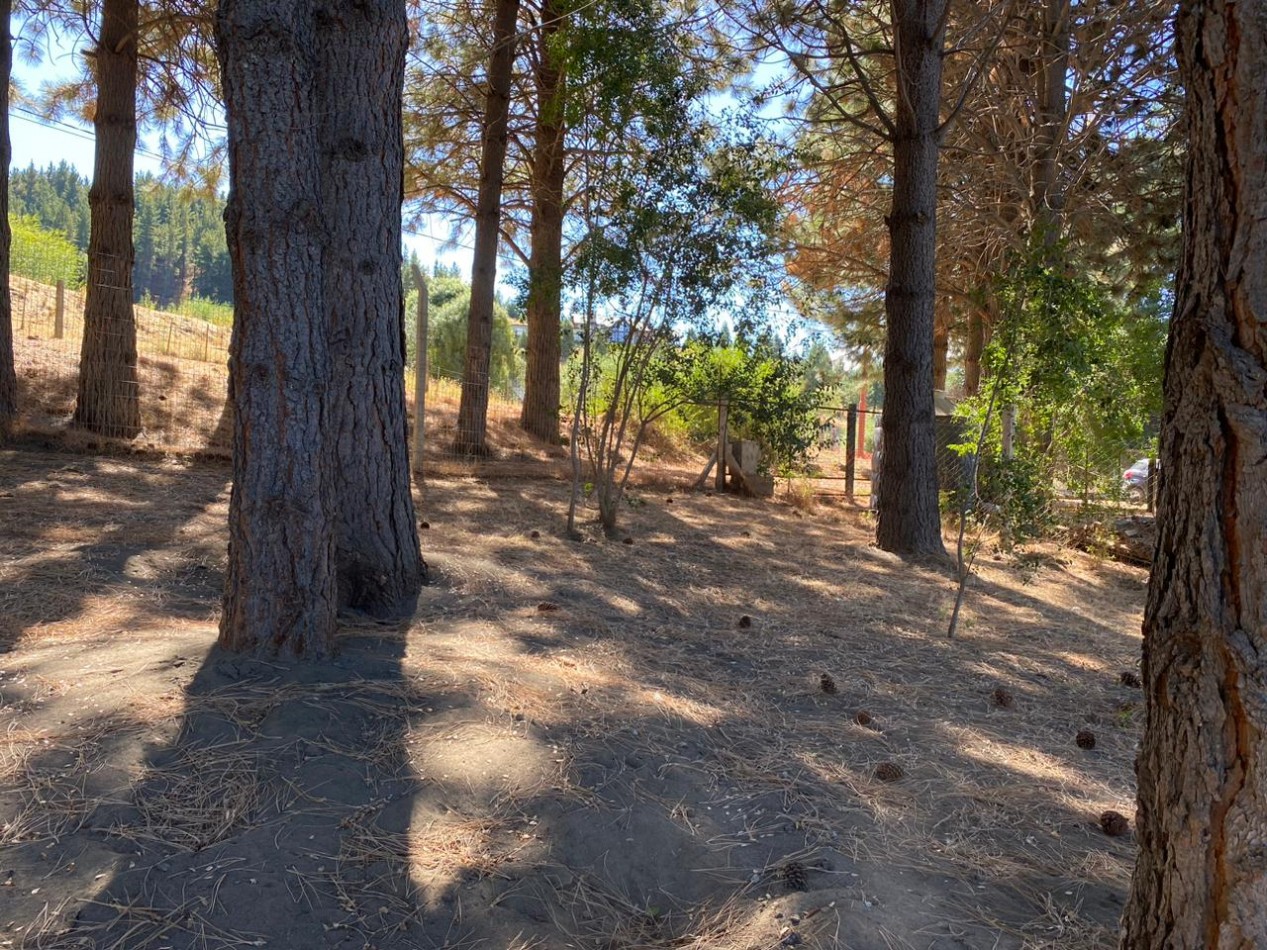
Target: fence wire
x=177 y=389
x=175 y=399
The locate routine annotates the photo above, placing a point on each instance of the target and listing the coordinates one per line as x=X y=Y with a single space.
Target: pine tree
x=281 y=588
x=909 y=521
x=472 y=422
x=544 y=308
x=1200 y=877
x=108 y=402
x=361 y=52
x=8 y=376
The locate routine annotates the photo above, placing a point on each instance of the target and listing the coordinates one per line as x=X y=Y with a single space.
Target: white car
x=1136 y=477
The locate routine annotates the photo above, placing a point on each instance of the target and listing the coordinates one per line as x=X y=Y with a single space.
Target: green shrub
x=449 y=300
x=44 y=256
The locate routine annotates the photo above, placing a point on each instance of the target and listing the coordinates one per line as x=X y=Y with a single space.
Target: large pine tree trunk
x=909 y=522
x=472 y=424
x=108 y=400
x=280 y=591
x=8 y=377
x=1201 y=874
x=1046 y=197
x=361 y=50
x=544 y=308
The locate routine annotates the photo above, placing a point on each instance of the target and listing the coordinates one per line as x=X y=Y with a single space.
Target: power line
x=35 y=118
x=435 y=240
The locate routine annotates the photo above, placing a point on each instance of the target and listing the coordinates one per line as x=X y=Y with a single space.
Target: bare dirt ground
x=573 y=744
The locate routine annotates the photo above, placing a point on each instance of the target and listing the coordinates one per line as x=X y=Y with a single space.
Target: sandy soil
x=573 y=744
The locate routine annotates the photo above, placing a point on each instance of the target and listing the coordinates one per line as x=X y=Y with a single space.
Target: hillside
x=184 y=382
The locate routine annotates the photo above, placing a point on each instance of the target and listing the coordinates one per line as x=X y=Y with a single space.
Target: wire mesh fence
x=848 y=458
x=162 y=384
x=167 y=373
x=172 y=396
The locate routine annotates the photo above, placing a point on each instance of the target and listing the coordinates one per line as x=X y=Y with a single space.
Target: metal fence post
x=851 y=448
x=1150 y=486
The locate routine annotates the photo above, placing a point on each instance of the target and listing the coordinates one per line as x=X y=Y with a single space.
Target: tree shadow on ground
x=143 y=542
x=628 y=767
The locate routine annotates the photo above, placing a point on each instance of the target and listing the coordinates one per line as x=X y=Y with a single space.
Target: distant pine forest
x=181 y=256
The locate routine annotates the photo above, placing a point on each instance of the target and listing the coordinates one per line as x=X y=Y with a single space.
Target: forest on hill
x=178 y=231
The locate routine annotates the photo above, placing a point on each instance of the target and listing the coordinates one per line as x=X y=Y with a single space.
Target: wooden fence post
x=59 y=314
x=720 y=476
x=851 y=448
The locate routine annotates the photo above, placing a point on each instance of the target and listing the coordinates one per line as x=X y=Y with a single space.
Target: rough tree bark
x=108 y=400
x=1201 y=873
x=544 y=308
x=1047 y=198
x=909 y=523
x=360 y=75
x=974 y=350
x=941 y=346
x=472 y=424
x=280 y=590
x=8 y=376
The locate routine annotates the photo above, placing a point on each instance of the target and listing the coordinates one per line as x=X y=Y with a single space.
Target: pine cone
x=827 y=684
x=1114 y=824
x=888 y=772
x=1085 y=739
x=1129 y=679
x=794 y=876
x=863 y=718
x=1002 y=698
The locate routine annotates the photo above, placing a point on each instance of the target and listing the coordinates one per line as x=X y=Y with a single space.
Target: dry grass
x=183 y=382
x=800 y=495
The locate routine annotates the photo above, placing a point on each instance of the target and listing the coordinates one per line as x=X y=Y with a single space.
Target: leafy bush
x=43 y=255
x=1022 y=488
x=1082 y=371
x=766 y=392
x=449 y=301
x=199 y=308
x=212 y=311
